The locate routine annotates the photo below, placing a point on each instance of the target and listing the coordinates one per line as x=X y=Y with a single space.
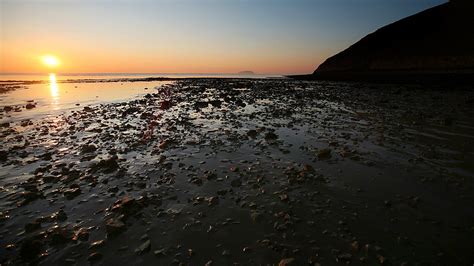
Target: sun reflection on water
x=54 y=90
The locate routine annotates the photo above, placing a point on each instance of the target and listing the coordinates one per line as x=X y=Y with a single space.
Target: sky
x=187 y=36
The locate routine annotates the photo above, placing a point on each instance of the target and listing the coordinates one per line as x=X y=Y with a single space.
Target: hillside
x=435 y=43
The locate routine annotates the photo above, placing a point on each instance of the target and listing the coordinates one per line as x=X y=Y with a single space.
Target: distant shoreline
x=402 y=77
x=146 y=79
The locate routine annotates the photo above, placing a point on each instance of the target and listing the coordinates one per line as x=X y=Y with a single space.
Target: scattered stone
x=324 y=154
x=108 y=165
x=287 y=261
x=212 y=201
x=160 y=252
x=97 y=244
x=3 y=155
x=252 y=133
x=226 y=253
x=59 y=235
x=30 y=249
x=59 y=216
x=271 y=136
x=32 y=226
x=81 y=235
x=143 y=248
x=114 y=227
x=256 y=216
x=71 y=193
x=284 y=197
x=94 y=256
x=345 y=257
x=88 y=148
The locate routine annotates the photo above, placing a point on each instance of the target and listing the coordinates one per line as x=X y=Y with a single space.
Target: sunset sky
x=187 y=36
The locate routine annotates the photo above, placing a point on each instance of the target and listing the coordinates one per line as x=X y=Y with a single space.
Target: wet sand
x=254 y=172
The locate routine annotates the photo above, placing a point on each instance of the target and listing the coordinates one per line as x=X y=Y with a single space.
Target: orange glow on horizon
x=50 y=61
x=29 y=58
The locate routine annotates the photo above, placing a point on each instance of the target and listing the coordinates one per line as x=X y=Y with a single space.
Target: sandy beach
x=246 y=171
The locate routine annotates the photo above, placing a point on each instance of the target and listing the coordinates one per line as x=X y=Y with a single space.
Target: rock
x=284 y=197
x=256 y=216
x=324 y=154
x=3 y=155
x=215 y=103
x=271 y=136
x=107 y=165
x=252 y=133
x=30 y=249
x=59 y=216
x=381 y=259
x=285 y=262
x=346 y=257
x=164 y=144
x=114 y=227
x=196 y=181
x=28 y=196
x=130 y=110
x=97 y=244
x=160 y=252
x=247 y=250
x=199 y=105
x=143 y=248
x=82 y=234
x=210 y=175
x=165 y=105
x=355 y=247
x=212 y=201
x=191 y=252
x=128 y=206
x=30 y=105
x=94 y=256
x=32 y=226
x=240 y=103
x=88 y=148
x=59 y=235
x=71 y=193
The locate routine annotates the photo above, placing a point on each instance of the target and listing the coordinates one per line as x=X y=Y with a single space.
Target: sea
x=54 y=94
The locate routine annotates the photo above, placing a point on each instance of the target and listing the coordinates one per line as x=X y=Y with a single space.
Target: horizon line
x=139 y=73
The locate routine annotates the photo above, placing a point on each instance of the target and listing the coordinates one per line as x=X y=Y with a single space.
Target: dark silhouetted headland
x=434 y=45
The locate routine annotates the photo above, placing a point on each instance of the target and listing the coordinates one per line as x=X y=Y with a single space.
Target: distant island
x=246 y=72
x=435 y=44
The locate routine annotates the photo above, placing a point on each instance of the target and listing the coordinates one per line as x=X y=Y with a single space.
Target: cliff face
x=437 y=40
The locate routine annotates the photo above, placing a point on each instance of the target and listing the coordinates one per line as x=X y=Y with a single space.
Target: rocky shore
x=253 y=172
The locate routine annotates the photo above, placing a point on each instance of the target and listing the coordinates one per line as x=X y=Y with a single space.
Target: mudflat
x=224 y=171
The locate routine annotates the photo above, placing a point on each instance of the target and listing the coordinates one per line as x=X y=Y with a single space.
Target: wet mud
x=248 y=172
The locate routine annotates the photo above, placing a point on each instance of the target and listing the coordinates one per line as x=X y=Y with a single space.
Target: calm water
x=61 y=77
x=53 y=96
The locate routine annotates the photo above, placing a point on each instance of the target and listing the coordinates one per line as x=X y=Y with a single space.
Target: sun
x=50 y=61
